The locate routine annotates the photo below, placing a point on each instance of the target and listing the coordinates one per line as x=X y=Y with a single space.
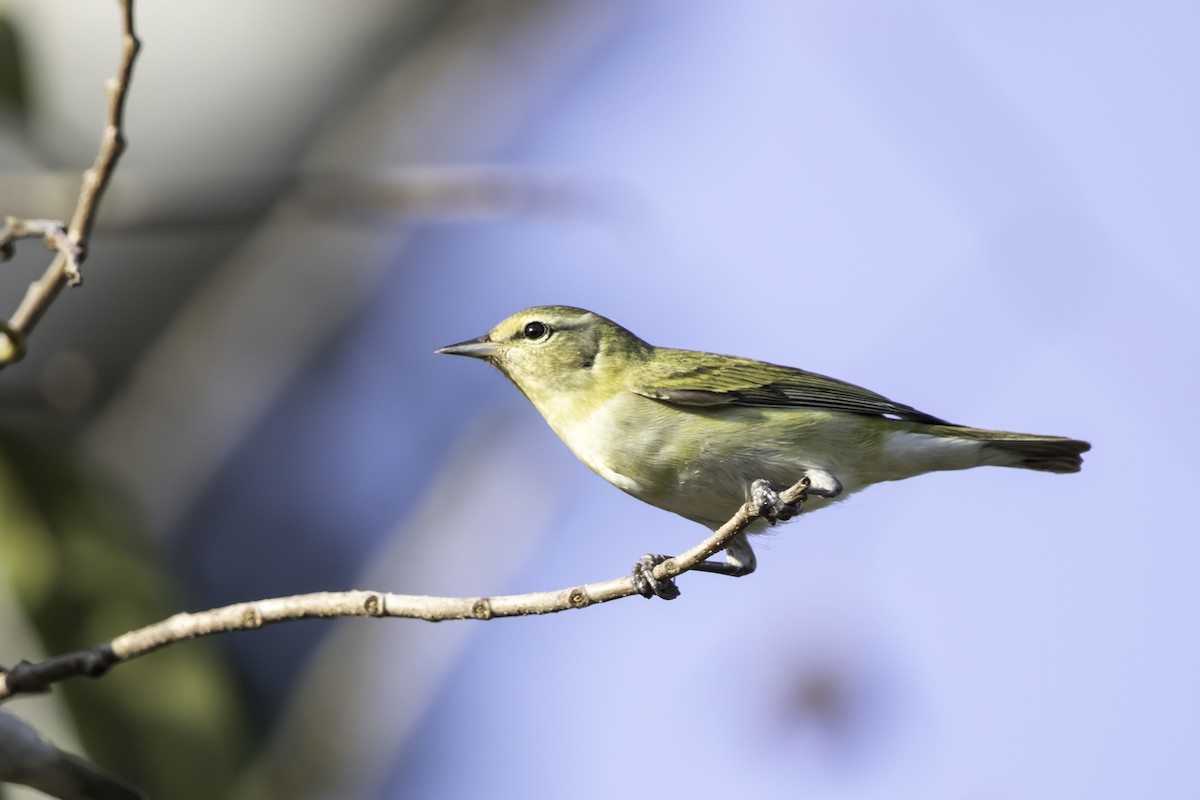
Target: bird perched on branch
x=699 y=433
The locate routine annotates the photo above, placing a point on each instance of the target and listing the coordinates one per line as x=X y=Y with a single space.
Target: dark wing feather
x=703 y=379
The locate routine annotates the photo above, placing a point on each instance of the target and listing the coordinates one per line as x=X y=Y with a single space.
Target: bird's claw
x=644 y=582
x=765 y=498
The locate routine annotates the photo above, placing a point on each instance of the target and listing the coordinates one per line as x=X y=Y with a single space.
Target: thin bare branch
x=51 y=231
x=95 y=661
x=72 y=247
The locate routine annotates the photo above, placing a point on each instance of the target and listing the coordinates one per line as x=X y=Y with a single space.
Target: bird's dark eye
x=536 y=330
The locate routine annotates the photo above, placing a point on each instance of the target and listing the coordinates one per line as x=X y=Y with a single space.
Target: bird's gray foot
x=739 y=561
x=764 y=495
x=649 y=586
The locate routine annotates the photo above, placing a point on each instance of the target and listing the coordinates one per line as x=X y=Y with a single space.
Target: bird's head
x=553 y=349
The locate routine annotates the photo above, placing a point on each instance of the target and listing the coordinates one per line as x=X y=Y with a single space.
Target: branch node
x=482 y=608
x=578 y=598
x=91 y=178
x=251 y=618
x=373 y=605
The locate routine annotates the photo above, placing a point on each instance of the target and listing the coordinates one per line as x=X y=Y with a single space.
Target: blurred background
x=987 y=211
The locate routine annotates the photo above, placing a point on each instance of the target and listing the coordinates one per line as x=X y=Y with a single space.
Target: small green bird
x=699 y=434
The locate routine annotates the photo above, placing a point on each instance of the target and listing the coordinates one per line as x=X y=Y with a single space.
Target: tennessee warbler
x=699 y=433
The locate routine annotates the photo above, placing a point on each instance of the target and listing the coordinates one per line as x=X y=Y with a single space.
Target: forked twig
x=70 y=241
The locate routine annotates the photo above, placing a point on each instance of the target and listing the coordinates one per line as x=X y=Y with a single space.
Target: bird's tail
x=1025 y=450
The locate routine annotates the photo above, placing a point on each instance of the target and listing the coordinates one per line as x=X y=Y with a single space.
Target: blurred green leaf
x=13 y=92
x=172 y=722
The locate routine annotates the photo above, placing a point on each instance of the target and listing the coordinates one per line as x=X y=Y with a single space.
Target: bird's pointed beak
x=483 y=347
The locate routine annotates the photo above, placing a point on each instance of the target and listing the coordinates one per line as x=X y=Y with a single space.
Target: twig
x=71 y=240
x=51 y=231
x=26 y=677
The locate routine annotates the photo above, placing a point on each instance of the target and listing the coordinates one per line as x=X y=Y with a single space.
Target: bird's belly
x=645 y=463
x=701 y=464
x=706 y=493
x=698 y=472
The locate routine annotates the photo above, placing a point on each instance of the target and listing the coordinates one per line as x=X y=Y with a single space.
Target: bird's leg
x=644 y=582
x=739 y=556
x=739 y=561
x=764 y=495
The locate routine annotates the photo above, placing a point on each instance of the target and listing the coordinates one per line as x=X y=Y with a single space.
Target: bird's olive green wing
x=688 y=378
